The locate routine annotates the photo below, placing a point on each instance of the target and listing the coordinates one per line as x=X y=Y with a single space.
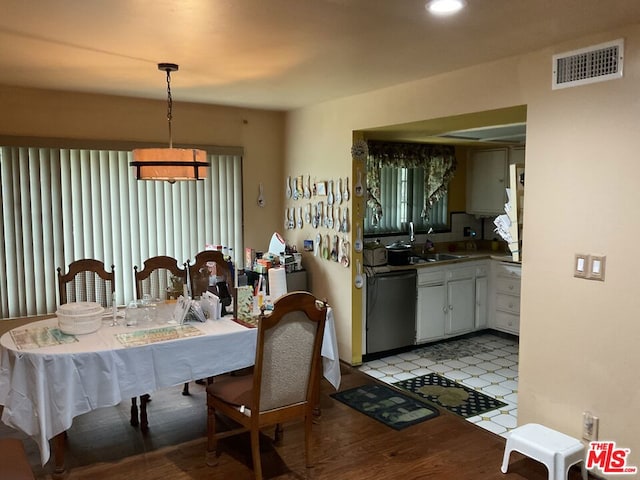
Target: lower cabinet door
x=482 y=293
x=431 y=313
x=461 y=306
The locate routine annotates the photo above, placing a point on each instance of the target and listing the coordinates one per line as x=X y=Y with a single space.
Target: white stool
x=556 y=450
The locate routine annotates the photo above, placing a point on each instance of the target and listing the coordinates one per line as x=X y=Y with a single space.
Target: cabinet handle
x=450 y=307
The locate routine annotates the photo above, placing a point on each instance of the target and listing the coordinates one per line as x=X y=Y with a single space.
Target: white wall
x=579 y=339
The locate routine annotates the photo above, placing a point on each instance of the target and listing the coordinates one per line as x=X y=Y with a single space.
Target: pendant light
x=169 y=164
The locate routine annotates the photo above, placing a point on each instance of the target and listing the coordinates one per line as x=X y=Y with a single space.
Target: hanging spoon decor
x=358 y=281
x=338 y=194
x=345 y=194
x=330 y=193
x=345 y=223
x=307 y=214
x=358 y=243
x=334 y=249
x=260 y=195
x=359 y=188
x=345 y=253
x=288 y=188
x=307 y=190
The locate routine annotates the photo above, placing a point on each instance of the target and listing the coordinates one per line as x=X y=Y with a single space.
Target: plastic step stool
x=554 y=449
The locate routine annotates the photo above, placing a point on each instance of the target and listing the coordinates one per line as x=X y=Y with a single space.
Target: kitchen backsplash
x=459 y=222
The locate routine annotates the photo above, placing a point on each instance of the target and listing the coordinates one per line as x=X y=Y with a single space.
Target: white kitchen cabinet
x=461 y=306
x=452 y=300
x=432 y=304
x=486 y=181
x=432 y=308
x=507 y=297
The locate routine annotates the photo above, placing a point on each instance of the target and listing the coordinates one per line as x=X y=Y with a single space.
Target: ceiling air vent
x=588 y=65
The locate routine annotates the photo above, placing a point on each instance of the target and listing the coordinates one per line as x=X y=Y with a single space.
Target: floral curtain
x=438 y=161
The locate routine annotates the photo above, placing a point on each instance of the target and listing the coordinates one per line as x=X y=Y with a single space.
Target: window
x=402 y=201
x=407 y=183
x=60 y=205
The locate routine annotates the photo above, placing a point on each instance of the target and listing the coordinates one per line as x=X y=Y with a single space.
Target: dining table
x=48 y=378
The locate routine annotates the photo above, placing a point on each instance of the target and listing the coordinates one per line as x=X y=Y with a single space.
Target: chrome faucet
x=412 y=236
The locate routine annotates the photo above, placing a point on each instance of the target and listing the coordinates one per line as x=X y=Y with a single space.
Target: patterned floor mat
x=456 y=398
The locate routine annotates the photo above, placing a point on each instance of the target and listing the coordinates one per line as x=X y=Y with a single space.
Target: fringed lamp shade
x=169 y=164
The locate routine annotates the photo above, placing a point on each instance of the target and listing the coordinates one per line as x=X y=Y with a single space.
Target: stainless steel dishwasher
x=391 y=310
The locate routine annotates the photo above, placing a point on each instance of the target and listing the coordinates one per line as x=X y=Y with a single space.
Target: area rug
x=451 y=349
x=387 y=405
x=456 y=398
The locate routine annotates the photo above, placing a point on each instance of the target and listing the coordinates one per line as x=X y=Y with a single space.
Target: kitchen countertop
x=469 y=256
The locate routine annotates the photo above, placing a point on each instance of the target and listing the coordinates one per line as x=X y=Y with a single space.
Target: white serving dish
x=77 y=318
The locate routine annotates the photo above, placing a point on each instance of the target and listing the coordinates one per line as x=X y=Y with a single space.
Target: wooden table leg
x=144 y=422
x=134 y=412
x=58 y=456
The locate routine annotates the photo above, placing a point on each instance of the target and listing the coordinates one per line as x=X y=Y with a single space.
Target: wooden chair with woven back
x=87 y=281
x=284 y=381
x=161 y=278
x=201 y=271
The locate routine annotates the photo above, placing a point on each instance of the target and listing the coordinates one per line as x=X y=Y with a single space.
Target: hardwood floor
x=349 y=445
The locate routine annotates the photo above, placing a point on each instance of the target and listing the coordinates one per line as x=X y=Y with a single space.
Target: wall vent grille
x=588 y=65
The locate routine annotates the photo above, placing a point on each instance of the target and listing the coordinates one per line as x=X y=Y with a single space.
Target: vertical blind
x=61 y=205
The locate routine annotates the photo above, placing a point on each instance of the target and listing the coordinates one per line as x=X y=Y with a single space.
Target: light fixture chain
x=169 y=107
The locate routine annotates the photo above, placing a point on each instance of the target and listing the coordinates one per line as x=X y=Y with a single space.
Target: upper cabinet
x=487 y=179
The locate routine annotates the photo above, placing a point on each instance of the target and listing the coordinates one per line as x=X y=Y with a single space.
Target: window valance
x=438 y=161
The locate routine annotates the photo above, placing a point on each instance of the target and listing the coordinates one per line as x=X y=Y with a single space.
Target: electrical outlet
x=589 y=427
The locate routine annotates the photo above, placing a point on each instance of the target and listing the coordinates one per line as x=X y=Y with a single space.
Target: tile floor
x=487 y=363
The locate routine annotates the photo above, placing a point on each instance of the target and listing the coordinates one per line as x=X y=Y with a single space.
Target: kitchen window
x=407 y=183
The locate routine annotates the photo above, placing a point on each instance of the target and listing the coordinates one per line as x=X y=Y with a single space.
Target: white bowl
x=77 y=318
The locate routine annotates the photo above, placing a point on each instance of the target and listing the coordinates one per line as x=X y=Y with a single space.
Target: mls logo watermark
x=609 y=459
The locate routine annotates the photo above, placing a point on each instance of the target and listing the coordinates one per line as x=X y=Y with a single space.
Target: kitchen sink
x=433 y=257
x=441 y=257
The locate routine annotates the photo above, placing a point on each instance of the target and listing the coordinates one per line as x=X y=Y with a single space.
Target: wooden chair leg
x=255 y=453
x=134 y=412
x=185 y=389
x=212 y=441
x=279 y=434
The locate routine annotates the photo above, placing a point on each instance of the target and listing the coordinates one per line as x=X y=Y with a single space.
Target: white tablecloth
x=44 y=389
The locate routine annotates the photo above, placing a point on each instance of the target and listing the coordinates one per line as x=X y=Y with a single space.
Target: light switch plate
x=596 y=267
x=581 y=265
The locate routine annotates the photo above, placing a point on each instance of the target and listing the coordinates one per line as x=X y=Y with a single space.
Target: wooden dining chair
x=284 y=381
x=154 y=279
x=87 y=281
x=201 y=268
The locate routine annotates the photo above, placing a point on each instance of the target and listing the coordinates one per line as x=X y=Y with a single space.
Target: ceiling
x=274 y=54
